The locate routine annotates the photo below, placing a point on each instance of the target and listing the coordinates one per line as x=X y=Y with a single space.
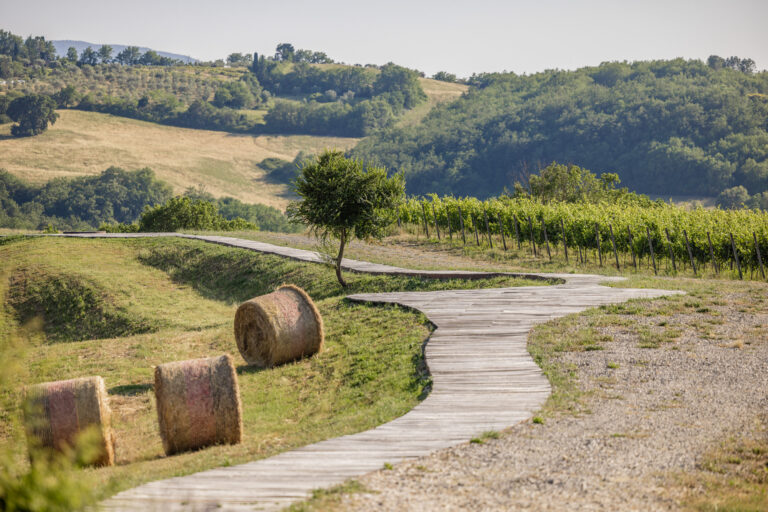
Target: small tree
x=343 y=199
x=72 y=54
x=284 y=52
x=105 y=54
x=32 y=113
x=89 y=57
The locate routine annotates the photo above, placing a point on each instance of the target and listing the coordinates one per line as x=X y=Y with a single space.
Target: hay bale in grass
x=278 y=327
x=58 y=413
x=198 y=404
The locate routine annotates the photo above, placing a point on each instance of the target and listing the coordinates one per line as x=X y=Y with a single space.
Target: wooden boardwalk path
x=483 y=379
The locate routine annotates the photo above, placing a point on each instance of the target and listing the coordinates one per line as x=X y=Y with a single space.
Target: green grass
x=370 y=371
x=236 y=275
x=482 y=438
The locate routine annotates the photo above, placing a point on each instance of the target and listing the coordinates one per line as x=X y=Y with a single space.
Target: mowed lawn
x=85 y=143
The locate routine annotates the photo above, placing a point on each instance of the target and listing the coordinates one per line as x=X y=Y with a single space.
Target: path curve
x=483 y=379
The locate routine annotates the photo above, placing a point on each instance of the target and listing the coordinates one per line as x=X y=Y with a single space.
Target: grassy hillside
x=178 y=307
x=86 y=143
x=82 y=143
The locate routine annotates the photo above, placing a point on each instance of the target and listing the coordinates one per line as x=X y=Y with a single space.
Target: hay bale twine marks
x=198 y=404
x=57 y=413
x=279 y=327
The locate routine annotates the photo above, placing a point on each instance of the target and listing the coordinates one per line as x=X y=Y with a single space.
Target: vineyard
x=623 y=235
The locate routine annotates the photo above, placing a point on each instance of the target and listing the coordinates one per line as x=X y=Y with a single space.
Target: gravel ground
x=650 y=414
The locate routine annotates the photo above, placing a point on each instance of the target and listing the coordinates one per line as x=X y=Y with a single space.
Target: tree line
x=328 y=100
x=672 y=127
x=116 y=197
x=21 y=57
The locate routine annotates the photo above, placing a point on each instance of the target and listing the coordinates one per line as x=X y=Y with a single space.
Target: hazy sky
x=459 y=37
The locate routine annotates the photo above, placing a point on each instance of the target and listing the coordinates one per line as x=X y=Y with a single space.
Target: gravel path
x=652 y=413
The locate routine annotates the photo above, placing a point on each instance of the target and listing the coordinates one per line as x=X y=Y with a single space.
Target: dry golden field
x=83 y=143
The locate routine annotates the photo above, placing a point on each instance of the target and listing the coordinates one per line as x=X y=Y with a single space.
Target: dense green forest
x=302 y=91
x=671 y=127
x=114 y=196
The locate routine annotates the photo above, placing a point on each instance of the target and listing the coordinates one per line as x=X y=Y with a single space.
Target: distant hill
x=668 y=127
x=63 y=46
x=86 y=143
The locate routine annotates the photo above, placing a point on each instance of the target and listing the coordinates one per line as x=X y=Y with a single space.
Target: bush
x=185 y=213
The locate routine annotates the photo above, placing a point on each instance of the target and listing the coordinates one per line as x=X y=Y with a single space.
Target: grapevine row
x=681 y=235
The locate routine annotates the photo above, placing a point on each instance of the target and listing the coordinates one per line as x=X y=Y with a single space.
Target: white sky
x=430 y=35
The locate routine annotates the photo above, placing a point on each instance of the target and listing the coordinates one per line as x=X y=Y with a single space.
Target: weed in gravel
x=482 y=438
x=613 y=366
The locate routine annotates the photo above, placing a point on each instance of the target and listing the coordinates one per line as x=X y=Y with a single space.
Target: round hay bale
x=198 y=404
x=279 y=327
x=57 y=413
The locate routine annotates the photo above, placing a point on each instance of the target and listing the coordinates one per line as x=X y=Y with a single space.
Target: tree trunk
x=342 y=243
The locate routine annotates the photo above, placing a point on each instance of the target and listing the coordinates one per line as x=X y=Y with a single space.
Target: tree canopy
x=572 y=184
x=671 y=127
x=341 y=199
x=32 y=113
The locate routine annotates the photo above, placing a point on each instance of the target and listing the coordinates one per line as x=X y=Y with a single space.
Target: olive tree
x=342 y=198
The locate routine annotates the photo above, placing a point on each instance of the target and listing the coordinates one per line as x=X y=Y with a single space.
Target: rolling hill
x=85 y=143
x=667 y=127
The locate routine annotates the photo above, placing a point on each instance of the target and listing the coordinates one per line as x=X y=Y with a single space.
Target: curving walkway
x=483 y=379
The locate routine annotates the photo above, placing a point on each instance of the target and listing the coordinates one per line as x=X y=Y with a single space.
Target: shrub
x=185 y=213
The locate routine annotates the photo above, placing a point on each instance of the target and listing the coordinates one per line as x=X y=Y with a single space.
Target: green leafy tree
x=734 y=197
x=185 y=213
x=284 y=52
x=239 y=59
x=571 y=184
x=129 y=56
x=234 y=95
x=66 y=97
x=6 y=66
x=444 y=76
x=716 y=62
x=89 y=57
x=32 y=113
x=105 y=53
x=72 y=54
x=11 y=45
x=179 y=213
x=343 y=199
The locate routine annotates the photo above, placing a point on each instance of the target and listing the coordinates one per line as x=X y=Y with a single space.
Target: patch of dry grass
x=732 y=476
x=437 y=92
